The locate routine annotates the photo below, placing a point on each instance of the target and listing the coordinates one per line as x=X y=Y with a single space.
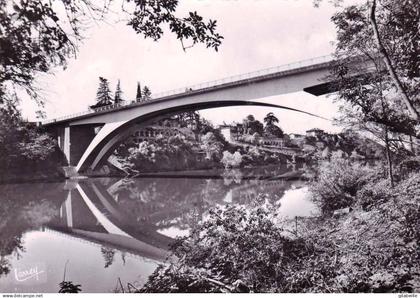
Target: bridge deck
x=247 y=78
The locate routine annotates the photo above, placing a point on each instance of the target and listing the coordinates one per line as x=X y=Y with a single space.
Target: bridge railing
x=245 y=76
x=206 y=85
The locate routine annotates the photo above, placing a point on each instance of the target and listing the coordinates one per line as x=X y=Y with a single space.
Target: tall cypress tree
x=103 y=95
x=138 y=95
x=118 y=93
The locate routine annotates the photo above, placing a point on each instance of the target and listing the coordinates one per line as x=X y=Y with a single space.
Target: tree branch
x=414 y=113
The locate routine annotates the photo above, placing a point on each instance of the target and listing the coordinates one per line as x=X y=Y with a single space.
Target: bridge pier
x=73 y=140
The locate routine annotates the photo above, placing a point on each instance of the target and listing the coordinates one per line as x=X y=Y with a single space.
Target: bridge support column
x=73 y=141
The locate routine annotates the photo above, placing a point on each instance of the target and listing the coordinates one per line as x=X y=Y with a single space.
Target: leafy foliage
x=252 y=126
x=370 y=101
x=69 y=287
x=147 y=94
x=230 y=160
x=338 y=182
x=23 y=148
x=103 y=95
x=37 y=35
x=234 y=250
x=273 y=130
x=238 y=249
x=270 y=119
x=212 y=145
x=174 y=153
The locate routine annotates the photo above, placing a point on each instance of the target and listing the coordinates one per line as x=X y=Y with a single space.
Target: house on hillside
x=236 y=132
x=297 y=139
x=272 y=142
x=296 y=136
x=315 y=132
x=226 y=131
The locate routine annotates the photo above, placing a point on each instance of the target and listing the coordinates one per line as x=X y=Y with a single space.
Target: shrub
x=374 y=193
x=338 y=182
x=409 y=165
x=234 y=250
x=230 y=160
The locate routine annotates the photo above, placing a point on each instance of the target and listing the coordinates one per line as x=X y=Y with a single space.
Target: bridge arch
x=112 y=133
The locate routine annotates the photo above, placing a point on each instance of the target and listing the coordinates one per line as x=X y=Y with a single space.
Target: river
x=99 y=231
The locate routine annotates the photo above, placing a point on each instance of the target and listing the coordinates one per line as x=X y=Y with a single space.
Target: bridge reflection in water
x=143 y=216
x=109 y=228
x=92 y=214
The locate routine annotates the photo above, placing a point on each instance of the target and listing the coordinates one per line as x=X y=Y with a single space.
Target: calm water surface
x=102 y=229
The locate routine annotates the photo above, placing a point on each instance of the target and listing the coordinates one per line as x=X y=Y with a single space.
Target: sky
x=257 y=34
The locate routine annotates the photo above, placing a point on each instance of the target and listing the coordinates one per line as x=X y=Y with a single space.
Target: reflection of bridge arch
x=95 y=241
x=90 y=213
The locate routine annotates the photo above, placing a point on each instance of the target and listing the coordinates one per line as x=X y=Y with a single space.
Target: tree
x=118 y=94
x=138 y=94
x=383 y=51
x=38 y=35
x=40 y=114
x=384 y=100
x=103 y=95
x=390 y=45
x=22 y=146
x=250 y=118
x=251 y=125
x=147 y=94
x=273 y=131
x=270 y=128
x=270 y=119
x=211 y=145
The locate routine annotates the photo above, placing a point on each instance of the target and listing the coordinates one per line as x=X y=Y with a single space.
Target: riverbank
x=33 y=177
x=270 y=172
x=371 y=244
x=246 y=173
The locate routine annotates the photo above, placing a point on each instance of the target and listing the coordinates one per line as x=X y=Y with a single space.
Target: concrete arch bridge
x=88 y=138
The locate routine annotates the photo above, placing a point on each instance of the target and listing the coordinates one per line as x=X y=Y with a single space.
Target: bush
x=338 y=182
x=174 y=153
x=234 y=250
x=409 y=165
x=375 y=250
x=230 y=160
x=374 y=193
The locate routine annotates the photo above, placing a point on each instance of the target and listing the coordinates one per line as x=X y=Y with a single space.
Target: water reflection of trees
x=108 y=254
x=182 y=202
x=24 y=207
x=232 y=176
x=162 y=200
